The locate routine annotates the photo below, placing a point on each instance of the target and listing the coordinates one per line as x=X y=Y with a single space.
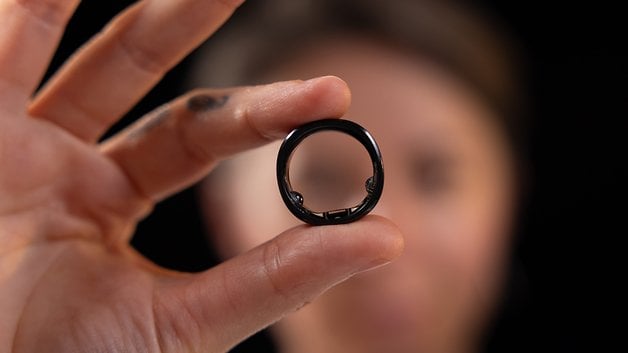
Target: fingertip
x=388 y=233
x=380 y=240
x=331 y=95
x=339 y=87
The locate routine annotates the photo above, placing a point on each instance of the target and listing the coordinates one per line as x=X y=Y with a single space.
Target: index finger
x=178 y=144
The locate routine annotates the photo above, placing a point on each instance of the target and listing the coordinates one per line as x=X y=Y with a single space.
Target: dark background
x=567 y=266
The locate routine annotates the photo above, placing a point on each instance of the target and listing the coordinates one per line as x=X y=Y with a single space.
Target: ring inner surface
x=330 y=170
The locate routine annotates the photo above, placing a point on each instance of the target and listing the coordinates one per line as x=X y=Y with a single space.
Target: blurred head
x=450 y=187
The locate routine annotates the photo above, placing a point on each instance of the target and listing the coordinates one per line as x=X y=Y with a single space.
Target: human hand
x=69 y=281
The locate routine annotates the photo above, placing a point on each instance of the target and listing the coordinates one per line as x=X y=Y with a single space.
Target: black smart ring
x=374 y=185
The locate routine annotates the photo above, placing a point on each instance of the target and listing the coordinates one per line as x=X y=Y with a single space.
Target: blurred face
x=448 y=186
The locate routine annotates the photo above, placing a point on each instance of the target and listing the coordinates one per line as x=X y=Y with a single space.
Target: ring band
x=374 y=185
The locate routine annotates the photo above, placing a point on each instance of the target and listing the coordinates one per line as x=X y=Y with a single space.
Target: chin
x=379 y=320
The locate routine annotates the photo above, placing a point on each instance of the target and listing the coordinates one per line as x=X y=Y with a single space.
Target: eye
x=432 y=175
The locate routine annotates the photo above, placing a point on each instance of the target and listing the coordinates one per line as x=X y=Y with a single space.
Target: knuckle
x=273 y=269
x=293 y=270
x=194 y=150
x=142 y=58
x=244 y=115
x=49 y=12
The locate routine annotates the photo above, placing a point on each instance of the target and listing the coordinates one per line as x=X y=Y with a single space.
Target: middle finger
x=121 y=64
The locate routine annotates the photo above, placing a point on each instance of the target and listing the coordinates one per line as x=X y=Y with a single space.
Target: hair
x=463 y=40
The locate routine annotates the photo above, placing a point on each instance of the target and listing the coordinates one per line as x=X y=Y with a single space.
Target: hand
x=69 y=281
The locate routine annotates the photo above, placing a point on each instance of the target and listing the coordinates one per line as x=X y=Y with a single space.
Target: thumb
x=213 y=311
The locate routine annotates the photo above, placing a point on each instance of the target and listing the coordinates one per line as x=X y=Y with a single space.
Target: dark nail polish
x=153 y=122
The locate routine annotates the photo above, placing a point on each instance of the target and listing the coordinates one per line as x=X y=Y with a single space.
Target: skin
x=69 y=281
x=449 y=187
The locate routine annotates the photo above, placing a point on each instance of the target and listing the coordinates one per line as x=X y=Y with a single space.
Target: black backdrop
x=566 y=267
